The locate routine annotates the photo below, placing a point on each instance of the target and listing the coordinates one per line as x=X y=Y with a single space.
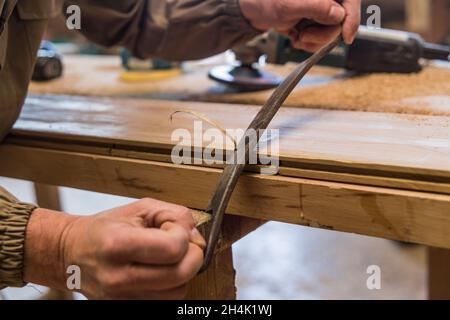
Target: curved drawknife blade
x=231 y=173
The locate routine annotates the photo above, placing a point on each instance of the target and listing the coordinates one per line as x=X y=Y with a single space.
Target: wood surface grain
x=379 y=144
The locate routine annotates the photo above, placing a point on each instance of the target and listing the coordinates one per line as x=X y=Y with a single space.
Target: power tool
x=138 y=70
x=374 y=50
x=48 y=64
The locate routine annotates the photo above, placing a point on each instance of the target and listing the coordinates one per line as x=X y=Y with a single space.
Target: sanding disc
x=150 y=75
x=245 y=78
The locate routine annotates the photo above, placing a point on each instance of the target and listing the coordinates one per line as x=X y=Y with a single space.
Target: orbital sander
x=374 y=50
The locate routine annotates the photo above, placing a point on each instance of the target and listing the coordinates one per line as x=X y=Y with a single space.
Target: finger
x=313 y=38
x=326 y=12
x=352 y=20
x=194 y=235
x=163 y=212
x=156 y=212
x=148 y=208
x=151 y=245
x=167 y=277
x=307 y=46
x=320 y=35
x=197 y=238
x=179 y=215
x=285 y=32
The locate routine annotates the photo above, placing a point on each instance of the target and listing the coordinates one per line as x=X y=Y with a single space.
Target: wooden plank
x=342 y=176
x=409 y=216
x=361 y=179
x=406 y=144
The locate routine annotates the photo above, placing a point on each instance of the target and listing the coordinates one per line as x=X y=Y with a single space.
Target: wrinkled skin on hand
x=145 y=250
x=284 y=15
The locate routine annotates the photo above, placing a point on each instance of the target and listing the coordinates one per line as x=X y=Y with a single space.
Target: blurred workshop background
x=321 y=264
x=429 y=18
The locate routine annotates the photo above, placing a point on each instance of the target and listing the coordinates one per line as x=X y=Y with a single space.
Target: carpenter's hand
x=283 y=16
x=146 y=250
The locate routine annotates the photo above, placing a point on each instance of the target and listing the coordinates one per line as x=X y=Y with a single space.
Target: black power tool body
x=374 y=50
x=48 y=64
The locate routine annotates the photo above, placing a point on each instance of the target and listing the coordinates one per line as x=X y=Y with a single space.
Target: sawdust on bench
x=426 y=92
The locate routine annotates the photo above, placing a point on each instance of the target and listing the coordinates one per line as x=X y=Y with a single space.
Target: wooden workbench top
x=396 y=144
x=382 y=175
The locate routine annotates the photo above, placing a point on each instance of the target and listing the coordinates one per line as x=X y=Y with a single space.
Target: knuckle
x=326 y=10
x=186 y=214
x=176 y=249
x=108 y=246
x=181 y=214
x=146 y=202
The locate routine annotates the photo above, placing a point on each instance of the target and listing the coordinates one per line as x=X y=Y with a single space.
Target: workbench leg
x=438 y=274
x=216 y=283
x=47 y=196
x=428 y=17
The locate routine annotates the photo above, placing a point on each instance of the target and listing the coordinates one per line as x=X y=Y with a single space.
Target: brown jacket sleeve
x=169 y=29
x=21 y=29
x=14 y=216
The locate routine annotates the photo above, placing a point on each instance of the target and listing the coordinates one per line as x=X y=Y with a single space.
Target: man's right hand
x=145 y=250
x=284 y=15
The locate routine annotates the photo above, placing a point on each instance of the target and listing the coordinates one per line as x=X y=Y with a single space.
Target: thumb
x=194 y=235
x=327 y=12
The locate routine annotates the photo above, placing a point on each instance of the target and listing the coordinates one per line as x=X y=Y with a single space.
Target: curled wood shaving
x=200 y=217
x=206 y=119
